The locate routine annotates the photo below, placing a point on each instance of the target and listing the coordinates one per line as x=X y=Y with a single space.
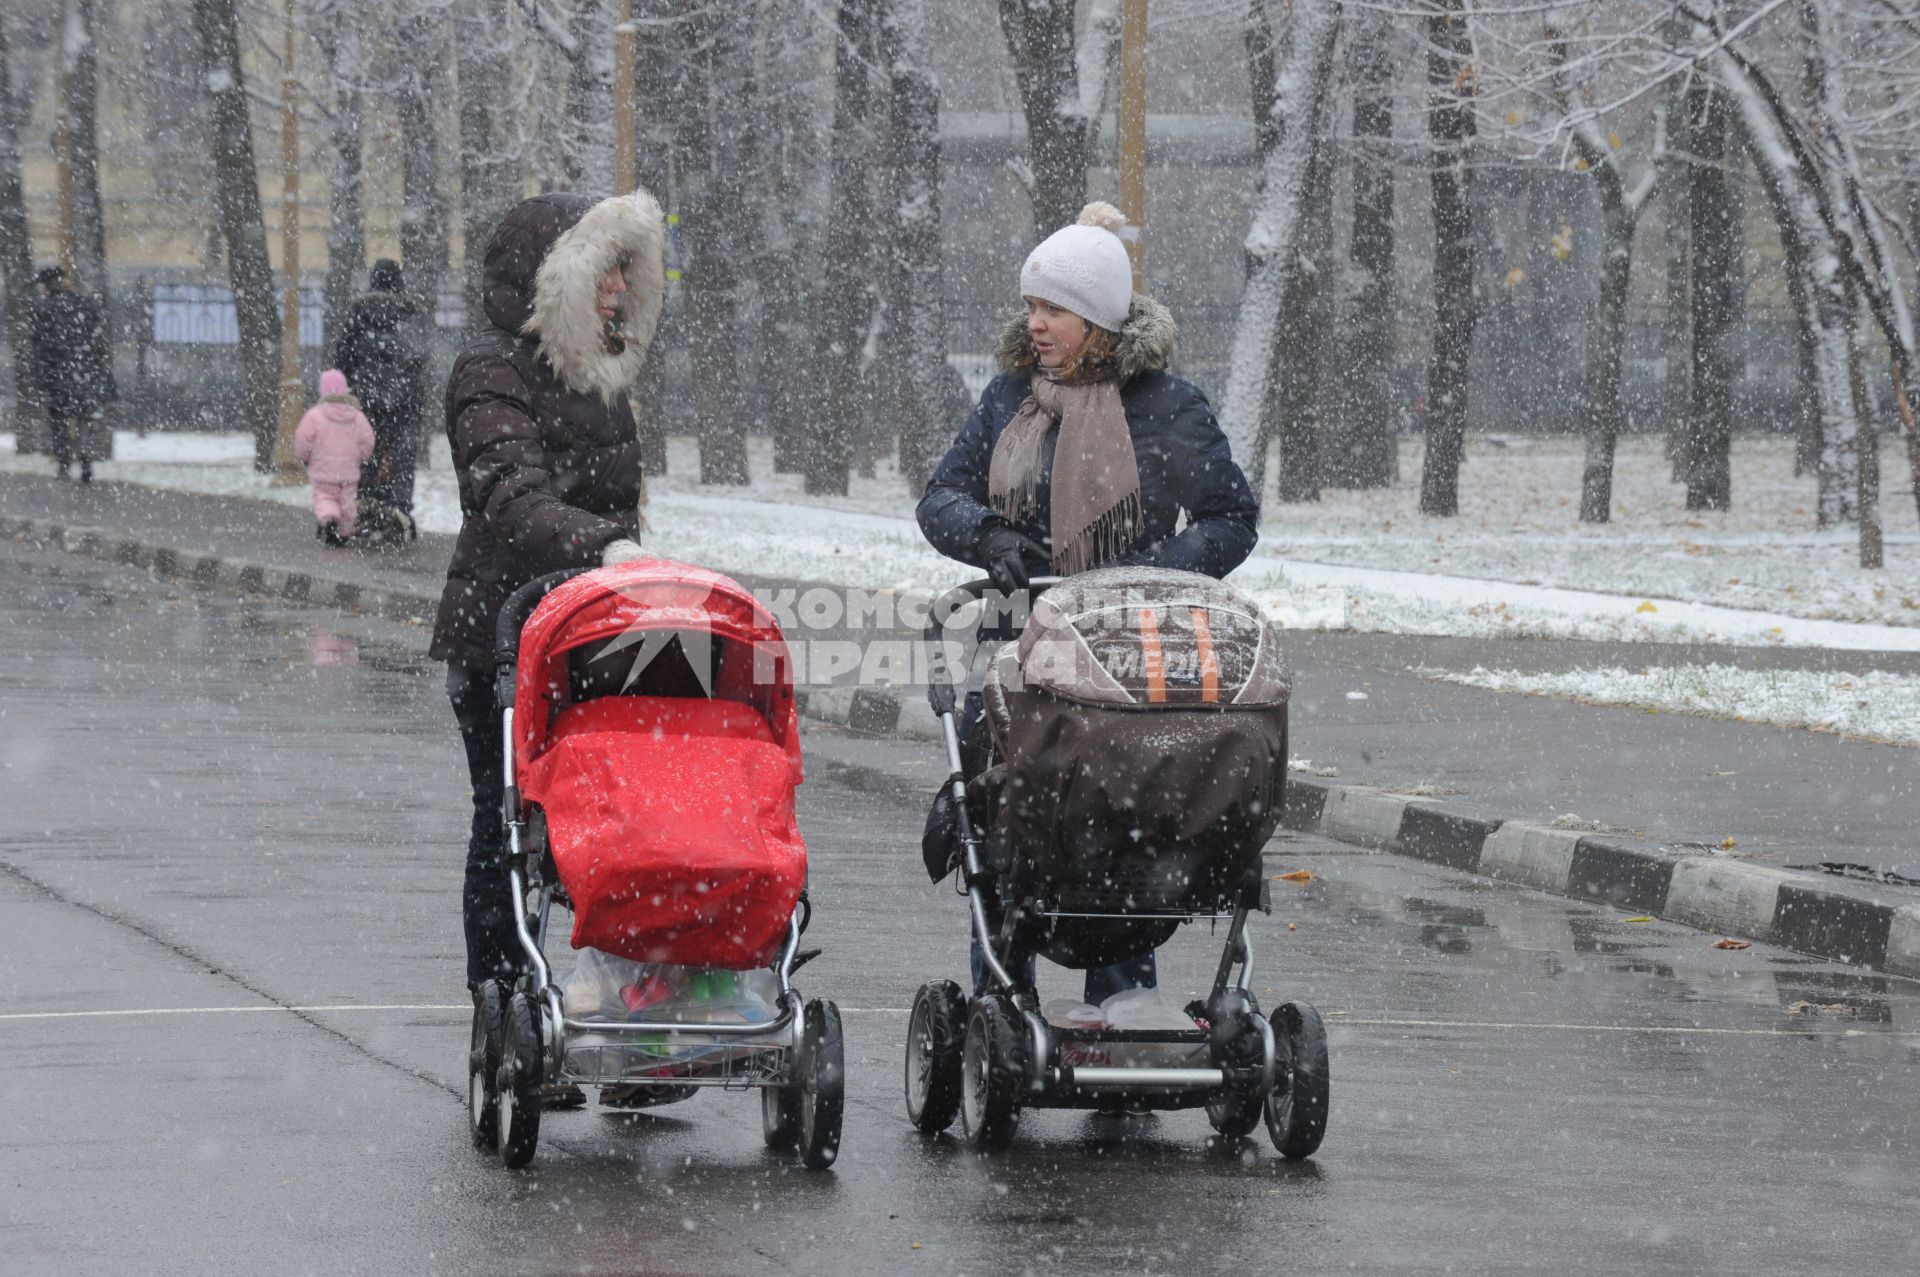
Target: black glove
x=1004 y=549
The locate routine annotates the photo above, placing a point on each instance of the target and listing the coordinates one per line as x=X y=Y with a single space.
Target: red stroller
x=654 y=752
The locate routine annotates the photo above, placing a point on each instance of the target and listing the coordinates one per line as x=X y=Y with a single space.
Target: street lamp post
x=1133 y=131
x=625 y=131
x=286 y=467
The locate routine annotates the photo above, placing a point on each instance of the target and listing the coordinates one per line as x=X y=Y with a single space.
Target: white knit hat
x=1084 y=268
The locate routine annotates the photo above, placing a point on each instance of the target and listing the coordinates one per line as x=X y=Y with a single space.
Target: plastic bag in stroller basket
x=672 y=827
x=604 y=986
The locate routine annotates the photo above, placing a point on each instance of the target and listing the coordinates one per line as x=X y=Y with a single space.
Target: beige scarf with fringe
x=1095 y=483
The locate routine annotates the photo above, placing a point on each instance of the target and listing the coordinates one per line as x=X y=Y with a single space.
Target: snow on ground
x=1876 y=705
x=1515 y=563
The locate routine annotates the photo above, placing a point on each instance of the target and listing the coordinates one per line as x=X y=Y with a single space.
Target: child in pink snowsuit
x=334 y=440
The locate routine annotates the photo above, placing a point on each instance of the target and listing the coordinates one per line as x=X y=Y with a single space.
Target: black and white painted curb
x=221 y=572
x=1712 y=893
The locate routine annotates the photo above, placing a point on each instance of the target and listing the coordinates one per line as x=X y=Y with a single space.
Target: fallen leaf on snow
x=1298 y=875
x=1727 y=843
x=1845 y=1010
x=1646 y=605
x=1645 y=917
x=1731 y=944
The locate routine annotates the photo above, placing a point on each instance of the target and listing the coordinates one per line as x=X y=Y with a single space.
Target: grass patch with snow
x=1876 y=706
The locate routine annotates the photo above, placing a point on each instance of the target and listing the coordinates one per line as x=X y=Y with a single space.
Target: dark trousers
x=1137 y=972
x=493 y=947
x=70 y=431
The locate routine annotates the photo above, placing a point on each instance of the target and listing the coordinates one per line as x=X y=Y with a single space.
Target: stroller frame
x=990 y=1056
x=525 y=1047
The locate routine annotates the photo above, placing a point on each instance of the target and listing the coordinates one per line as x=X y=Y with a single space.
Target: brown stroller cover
x=1140 y=724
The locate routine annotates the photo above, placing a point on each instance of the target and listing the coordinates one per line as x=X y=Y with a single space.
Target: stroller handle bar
x=513 y=617
x=940 y=680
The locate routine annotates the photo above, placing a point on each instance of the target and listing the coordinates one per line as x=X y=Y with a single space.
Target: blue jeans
x=1137 y=972
x=493 y=947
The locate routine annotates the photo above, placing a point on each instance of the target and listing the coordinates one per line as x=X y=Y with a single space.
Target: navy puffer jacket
x=1183 y=458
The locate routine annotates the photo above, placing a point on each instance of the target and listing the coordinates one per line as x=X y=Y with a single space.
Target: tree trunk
x=1364 y=451
x=423 y=201
x=1039 y=35
x=710 y=235
x=915 y=126
x=82 y=104
x=487 y=177
x=236 y=197
x=847 y=303
x=346 y=214
x=1273 y=245
x=1713 y=290
x=1607 y=406
x=1676 y=328
x=1866 y=441
x=16 y=263
x=1295 y=423
x=1450 y=124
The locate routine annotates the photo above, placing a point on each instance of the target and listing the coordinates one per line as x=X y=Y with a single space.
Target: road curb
x=1711 y=893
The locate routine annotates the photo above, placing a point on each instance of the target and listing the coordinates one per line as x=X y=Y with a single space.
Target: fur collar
x=1145 y=345
x=564 y=321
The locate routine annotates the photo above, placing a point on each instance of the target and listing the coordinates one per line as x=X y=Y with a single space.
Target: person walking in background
x=382 y=349
x=74 y=367
x=333 y=441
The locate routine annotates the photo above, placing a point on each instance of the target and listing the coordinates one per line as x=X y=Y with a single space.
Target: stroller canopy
x=1141 y=637
x=650 y=627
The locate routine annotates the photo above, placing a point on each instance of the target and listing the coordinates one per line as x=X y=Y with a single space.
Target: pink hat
x=333 y=382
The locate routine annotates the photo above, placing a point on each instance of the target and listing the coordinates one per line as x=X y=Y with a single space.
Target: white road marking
x=1333 y=1020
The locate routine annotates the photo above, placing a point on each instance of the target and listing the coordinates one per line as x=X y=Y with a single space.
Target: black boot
x=86 y=470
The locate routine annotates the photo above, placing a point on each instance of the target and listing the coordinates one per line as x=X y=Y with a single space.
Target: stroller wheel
x=780 y=1115
x=483 y=1065
x=520 y=1073
x=936 y=1036
x=1297 y=1109
x=993 y=1073
x=1236 y=1110
x=823 y=1084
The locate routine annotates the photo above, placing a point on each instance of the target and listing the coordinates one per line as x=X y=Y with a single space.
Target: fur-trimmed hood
x=1145 y=343
x=543 y=270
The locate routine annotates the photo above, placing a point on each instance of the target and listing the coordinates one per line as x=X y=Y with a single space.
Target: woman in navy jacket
x=1084 y=451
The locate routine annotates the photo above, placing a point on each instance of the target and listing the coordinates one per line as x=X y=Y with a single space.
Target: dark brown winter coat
x=537 y=414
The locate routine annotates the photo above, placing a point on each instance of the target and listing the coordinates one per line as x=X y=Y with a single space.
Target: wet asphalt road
x=230 y=1035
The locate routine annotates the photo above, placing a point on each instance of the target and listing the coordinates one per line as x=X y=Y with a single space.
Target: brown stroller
x=1138 y=725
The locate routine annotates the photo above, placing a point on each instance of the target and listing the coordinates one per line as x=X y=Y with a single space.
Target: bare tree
x=1364 y=452
x=1451 y=74
x=1303 y=75
x=847 y=302
x=915 y=145
x=82 y=60
x=340 y=46
x=423 y=200
x=488 y=175
x=236 y=197
x=16 y=258
x=1039 y=35
x=1620 y=209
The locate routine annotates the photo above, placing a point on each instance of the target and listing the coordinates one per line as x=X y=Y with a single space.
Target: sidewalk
x=1647 y=804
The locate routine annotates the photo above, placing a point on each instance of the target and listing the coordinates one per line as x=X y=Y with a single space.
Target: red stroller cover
x=671 y=817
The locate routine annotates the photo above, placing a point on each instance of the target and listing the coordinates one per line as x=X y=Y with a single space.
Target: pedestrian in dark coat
x=74 y=366
x=548 y=465
x=1084 y=452
x=382 y=349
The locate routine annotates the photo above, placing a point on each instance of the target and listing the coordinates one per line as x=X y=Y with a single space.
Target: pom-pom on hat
x=1084 y=268
x=333 y=382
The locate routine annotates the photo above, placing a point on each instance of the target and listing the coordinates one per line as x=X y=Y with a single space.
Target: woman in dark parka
x=1085 y=451
x=548 y=465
